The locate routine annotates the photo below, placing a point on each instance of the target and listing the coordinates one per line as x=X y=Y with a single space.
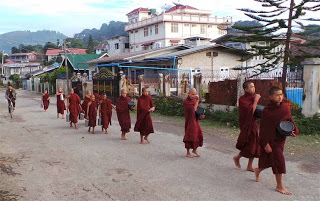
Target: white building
x=149 y=31
x=117 y=45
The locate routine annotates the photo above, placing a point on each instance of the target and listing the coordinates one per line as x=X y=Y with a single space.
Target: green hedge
x=174 y=107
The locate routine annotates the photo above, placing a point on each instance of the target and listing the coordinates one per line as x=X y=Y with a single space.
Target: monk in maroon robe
x=144 y=122
x=105 y=111
x=271 y=143
x=85 y=102
x=193 y=137
x=248 y=140
x=45 y=100
x=60 y=103
x=123 y=113
x=92 y=109
x=74 y=107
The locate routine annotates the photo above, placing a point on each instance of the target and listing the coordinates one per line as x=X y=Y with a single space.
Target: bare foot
x=142 y=142
x=76 y=127
x=237 y=162
x=93 y=132
x=146 y=139
x=196 y=153
x=283 y=190
x=257 y=174
x=250 y=169
x=71 y=125
x=62 y=117
x=189 y=155
x=123 y=138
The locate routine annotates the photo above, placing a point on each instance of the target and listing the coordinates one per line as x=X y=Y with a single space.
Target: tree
x=277 y=17
x=90 y=49
x=75 y=43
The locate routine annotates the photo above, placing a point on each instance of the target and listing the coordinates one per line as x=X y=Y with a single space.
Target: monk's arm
x=255 y=102
x=87 y=115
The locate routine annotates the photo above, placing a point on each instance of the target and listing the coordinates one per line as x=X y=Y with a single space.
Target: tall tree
x=75 y=43
x=278 y=16
x=90 y=49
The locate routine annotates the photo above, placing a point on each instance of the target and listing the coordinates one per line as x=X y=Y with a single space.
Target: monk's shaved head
x=246 y=84
x=273 y=89
x=192 y=90
x=123 y=91
x=144 y=89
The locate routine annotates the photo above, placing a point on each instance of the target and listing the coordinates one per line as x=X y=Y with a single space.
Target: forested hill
x=114 y=28
x=15 y=38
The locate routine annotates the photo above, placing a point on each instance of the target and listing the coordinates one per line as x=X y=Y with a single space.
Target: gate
x=106 y=82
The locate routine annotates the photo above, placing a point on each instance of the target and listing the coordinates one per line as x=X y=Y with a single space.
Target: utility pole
x=66 y=65
x=2 y=58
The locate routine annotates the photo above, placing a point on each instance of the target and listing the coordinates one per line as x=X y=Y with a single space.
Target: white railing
x=179 y=18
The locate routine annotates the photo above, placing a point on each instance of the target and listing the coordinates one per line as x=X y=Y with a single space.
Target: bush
x=231 y=118
x=169 y=106
x=307 y=126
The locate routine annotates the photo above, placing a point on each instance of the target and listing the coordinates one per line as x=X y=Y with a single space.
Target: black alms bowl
x=258 y=111
x=200 y=111
x=131 y=104
x=285 y=128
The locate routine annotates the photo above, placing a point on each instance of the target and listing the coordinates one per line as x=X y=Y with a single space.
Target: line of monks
x=268 y=146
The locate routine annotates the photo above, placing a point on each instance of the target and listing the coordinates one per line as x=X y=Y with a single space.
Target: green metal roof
x=78 y=60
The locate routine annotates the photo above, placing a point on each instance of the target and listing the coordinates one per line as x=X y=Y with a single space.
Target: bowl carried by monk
x=199 y=112
x=81 y=116
x=131 y=104
x=258 y=111
x=285 y=128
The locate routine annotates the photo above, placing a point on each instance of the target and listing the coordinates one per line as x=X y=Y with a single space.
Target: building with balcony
x=147 y=30
x=22 y=57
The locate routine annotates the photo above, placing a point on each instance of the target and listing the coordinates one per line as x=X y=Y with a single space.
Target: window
x=136 y=31
x=145 y=31
x=203 y=29
x=186 y=25
x=194 y=25
x=156 y=29
x=150 y=30
x=209 y=26
x=174 y=28
x=126 y=45
x=116 y=46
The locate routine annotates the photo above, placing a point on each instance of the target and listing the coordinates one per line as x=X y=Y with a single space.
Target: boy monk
x=45 y=100
x=271 y=143
x=92 y=109
x=193 y=137
x=60 y=103
x=85 y=102
x=144 y=122
x=74 y=107
x=105 y=111
x=248 y=140
x=123 y=113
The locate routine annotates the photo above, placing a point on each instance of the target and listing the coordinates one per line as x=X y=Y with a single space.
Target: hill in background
x=114 y=28
x=15 y=38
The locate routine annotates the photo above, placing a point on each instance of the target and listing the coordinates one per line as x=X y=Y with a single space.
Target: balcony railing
x=179 y=18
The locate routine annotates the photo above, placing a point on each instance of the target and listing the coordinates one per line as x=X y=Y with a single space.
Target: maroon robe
x=193 y=137
x=272 y=115
x=248 y=140
x=144 y=122
x=60 y=104
x=85 y=104
x=74 y=109
x=93 y=113
x=45 y=101
x=106 y=112
x=123 y=113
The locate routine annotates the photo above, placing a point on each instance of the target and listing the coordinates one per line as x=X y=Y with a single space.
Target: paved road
x=41 y=158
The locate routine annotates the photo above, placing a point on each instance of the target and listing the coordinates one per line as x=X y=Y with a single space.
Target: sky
x=72 y=16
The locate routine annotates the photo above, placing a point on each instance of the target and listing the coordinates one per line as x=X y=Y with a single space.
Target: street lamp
x=66 y=64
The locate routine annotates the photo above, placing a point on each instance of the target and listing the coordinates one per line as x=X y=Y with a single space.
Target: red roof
x=180 y=7
x=9 y=62
x=139 y=10
x=51 y=51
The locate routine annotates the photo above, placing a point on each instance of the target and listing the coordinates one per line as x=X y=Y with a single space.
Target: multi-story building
x=147 y=30
x=54 y=53
x=117 y=45
x=22 y=57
